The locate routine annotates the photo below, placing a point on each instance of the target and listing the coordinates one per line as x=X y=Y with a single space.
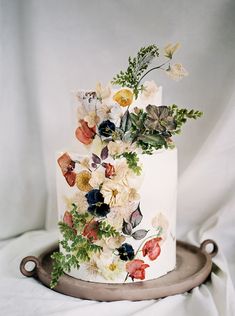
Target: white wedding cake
x=117 y=186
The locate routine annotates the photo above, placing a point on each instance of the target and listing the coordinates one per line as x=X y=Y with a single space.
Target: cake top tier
x=127 y=115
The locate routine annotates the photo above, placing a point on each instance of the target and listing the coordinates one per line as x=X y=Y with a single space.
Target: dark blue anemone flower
x=106 y=128
x=99 y=210
x=126 y=252
x=94 y=196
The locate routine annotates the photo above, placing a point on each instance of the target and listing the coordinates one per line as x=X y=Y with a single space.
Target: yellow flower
x=82 y=181
x=170 y=49
x=123 y=97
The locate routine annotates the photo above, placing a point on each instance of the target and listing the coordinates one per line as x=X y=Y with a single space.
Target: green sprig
x=62 y=263
x=181 y=116
x=106 y=230
x=137 y=65
x=132 y=160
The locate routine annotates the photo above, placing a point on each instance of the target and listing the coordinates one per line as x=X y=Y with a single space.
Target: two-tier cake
x=117 y=190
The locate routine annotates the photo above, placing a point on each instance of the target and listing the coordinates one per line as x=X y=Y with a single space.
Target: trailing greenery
x=181 y=116
x=80 y=219
x=132 y=160
x=62 y=263
x=137 y=66
x=77 y=248
x=105 y=230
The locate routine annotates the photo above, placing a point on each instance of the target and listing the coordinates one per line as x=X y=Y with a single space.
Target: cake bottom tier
x=132 y=242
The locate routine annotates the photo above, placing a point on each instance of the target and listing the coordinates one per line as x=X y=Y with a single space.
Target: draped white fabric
x=51 y=48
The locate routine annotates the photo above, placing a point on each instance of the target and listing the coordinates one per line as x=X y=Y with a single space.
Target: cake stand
x=193 y=266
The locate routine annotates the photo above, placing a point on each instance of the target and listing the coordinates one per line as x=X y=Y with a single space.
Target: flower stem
x=157 y=67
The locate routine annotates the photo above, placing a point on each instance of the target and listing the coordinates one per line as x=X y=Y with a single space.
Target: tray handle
x=23 y=264
x=208 y=242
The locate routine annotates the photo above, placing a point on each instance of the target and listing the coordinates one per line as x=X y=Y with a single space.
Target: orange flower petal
x=88 y=132
x=82 y=137
x=66 y=163
x=70 y=178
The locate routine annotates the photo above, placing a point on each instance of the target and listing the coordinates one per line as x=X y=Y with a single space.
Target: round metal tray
x=192 y=268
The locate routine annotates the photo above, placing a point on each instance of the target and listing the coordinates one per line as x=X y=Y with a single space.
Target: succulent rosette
x=117 y=123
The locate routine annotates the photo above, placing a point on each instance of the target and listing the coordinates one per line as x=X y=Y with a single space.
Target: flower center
x=85 y=181
x=112 y=266
x=114 y=192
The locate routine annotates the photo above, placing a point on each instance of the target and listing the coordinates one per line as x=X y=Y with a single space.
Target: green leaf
x=153 y=139
x=125 y=124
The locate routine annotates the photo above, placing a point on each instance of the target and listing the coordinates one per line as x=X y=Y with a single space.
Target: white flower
x=117 y=214
x=85 y=163
x=92 y=268
x=115 y=148
x=97 y=178
x=79 y=200
x=88 y=107
x=176 y=72
x=92 y=119
x=161 y=223
x=96 y=145
x=88 y=99
x=112 y=268
x=111 y=112
x=170 y=49
x=81 y=112
x=125 y=176
x=115 y=242
x=102 y=91
x=103 y=111
x=133 y=195
x=114 y=193
x=106 y=263
x=123 y=172
x=150 y=89
x=115 y=114
x=129 y=147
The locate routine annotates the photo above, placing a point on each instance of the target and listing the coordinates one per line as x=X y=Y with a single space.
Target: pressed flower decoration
x=103 y=216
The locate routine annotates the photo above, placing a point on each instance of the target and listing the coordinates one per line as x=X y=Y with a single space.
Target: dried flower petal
x=82 y=181
x=66 y=163
x=123 y=97
x=91 y=230
x=170 y=49
x=152 y=248
x=136 y=269
x=176 y=72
